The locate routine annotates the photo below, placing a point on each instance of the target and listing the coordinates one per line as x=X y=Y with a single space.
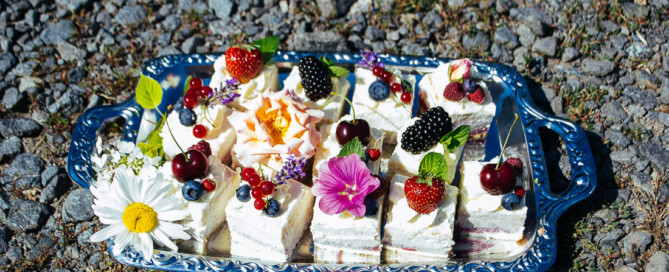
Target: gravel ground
x=603 y=64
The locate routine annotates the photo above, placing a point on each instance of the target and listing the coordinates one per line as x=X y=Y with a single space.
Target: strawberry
x=424 y=196
x=202 y=146
x=517 y=165
x=477 y=96
x=374 y=154
x=454 y=91
x=243 y=63
x=381 y=191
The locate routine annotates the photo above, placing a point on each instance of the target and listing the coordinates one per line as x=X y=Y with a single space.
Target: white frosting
x=255 y=235
x=332 y=105
x=221 y=136
x=329 y=254
x=388 y=115
x=267 y=78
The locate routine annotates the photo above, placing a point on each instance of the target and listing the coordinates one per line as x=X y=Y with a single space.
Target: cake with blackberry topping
x=455 y=87
x=313 y=81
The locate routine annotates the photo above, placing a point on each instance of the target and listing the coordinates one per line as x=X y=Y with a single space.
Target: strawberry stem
x=505 y=142
x=349 y=103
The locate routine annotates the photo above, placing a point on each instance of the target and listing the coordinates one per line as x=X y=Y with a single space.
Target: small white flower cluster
x=124 y=156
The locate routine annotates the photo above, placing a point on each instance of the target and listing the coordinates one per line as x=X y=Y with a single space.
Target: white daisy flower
x=138 y=212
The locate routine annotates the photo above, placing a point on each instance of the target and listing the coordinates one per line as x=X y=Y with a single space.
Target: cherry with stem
x=508 y=134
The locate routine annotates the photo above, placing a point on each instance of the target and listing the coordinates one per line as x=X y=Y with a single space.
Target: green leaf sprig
x=455 y=138
x=335 y=71
x=433 y=165
x=268 y=47
x=353 y=146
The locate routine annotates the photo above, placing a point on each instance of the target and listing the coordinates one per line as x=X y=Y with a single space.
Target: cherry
x=205 y=92
x=346 y=131
x=254 y=179
x=208 y=185
x=498 y=180
x=267 y=188
x=247 y=172
x=189 y=101
x=377 y=71
x=386 y=76
x=519 y=191
x=406 y=97
x=396 y=87
x=194 y=167
x=259 y=204
x=195 y=83
x=256 y=193
x=199 y=131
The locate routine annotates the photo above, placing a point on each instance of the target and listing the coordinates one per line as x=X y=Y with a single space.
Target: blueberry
x=244 y=193
x=372 y=206
x=192 y=190
x=510 y=201
x=272 y=208
x=187 y=117
x=379 y=90
x=179 y=106
x=469 y=86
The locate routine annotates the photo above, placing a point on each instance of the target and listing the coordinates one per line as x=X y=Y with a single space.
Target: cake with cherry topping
x=454 y=87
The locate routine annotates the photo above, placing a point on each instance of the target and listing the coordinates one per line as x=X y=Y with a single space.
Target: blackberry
x=426 y=132
x=315 y=78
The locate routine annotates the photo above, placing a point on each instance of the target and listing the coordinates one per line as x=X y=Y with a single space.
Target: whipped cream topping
x=267 y=78
x=275 y=125
x=332 y=105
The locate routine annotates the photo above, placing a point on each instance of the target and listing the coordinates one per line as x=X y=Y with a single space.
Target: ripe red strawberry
x=373 y=153
x=202 y=146
x=517 y=165
x=424 y=196
x=477 y=96
x=243 y=63
x=454 y=91
x=383 y=188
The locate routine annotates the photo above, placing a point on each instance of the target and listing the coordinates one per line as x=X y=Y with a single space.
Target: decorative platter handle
x=86 y=132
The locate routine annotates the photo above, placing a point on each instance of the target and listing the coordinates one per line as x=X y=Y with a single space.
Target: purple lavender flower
x=227 y=93
x=370 y=59
x=291 y=169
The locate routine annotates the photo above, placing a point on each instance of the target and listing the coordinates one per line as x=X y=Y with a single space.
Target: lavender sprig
x=370 y=59
x=226 y=94
x=291 y=169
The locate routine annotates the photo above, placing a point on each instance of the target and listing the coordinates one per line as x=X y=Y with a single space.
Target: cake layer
x=394 y=255
x=347 y=231
x=480 y=248
x=267 y=79
x=387 y=115
x=332 y=105
x=255 y=235
x=328 y=254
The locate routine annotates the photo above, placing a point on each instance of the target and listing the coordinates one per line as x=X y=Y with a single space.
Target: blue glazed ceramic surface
x=513 y=97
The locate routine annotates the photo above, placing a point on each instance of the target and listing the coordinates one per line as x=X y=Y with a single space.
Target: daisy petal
x=121 y=242
x=173 y=230
x=172 y=215
x=106 y=233
x=146 y=245
x=162 y=238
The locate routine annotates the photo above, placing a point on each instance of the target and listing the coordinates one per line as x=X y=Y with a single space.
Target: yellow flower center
x=277 y=122
x=139 y=217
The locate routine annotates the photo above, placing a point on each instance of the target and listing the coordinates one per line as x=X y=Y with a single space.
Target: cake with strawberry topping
x=454 y=87
x=383 y=97
x=314 y=80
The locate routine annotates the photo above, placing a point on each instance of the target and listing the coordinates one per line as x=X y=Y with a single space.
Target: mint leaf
x=433 y=165
x=455 y=138
x=268 y=47
x=337 y=71
x=327 y=61
x=148 y=93
x=187 y=85
x=353 y=147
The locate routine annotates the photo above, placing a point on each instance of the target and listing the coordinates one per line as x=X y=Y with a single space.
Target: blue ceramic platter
x=511 y=95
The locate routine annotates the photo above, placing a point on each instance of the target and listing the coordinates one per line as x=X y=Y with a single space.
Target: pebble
x=375 y=34
x=14 y=253
x=5 y=236
x=26 y=215
x=76 y=75
x=7 y=62
x=73 y=5
x=44 y=246
x=130 y=15
x=55 y=188
x=639 y=50
x=171 y=23
x=191 y=43
x=14 y=100
x=569 y=54
x=546 y=46
x=597 y=67
x=617 y=138
x=317 y=41
x=614 y=111
x=659 y=262
x=506 y=38
x=480 y=41
x=657 y=155
x=69 y=103
x=642 y=97
x=77 y=206
x=640 y=240
x=10 y=147
x=24 y=172
x=69 y=52
x=57 y=32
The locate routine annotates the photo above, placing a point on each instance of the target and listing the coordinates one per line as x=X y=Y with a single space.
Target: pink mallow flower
x=460 y=69
x=343 y=185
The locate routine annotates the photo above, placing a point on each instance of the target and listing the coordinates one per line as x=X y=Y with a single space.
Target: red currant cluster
x=196 y=93
x=261 y=188
x=396 y=87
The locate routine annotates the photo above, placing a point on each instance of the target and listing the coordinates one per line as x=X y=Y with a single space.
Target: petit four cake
x=313 y=82
x=453 y=87
x=383 y=97
x=268 y=217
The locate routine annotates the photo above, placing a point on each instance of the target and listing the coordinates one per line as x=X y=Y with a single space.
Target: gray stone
x=191 y=43
x=69 y=52
x=7 y=62
x=57 y=32
x=49 y=173
x=642 y=97
x=633 y=10
x=70 y=103
x=374 y=33
x=26 y=215
x=506 y=38
x=433 y=19
x=130 y=15
x=659 y=262
x=657 y=155
x=77 y=207
x=665 y=63
x=546 y=46
x=525 y=35
x=84 y=237
x=617 y=138
x=318 y=41
x=5 y=235
x=45 y=245
x=10 y=147
x=480 y=41
x=76 y=75
x=614 y=111
x=569 y=54
x=534 y=18
x=4 y=202
x=21 y=127
x=643 y=182
x=56 y=187
x=597 y=67
x=24 y=172
x=168 y=50
x=455 y=3
x=14 y=100
x=637 y=241
x=23 y=69
x=610 y=238
x=14 y=253
x=171 y=23
x=639 y=50
x=73 y=5
x=625 y=269
x=222 y=8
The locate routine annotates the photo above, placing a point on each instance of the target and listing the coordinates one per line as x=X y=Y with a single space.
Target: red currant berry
x=195 y=83
x=199 y=131
x=396 y=87
x=267 y=188
x=377 y=71
x=519 y=191
x=205 y=92
x=254 y=180
x=386 y=76
x=259 y=204
x=406 y=97
x=247 y=172
x=373 y=154
x=256 y=193
x=189 y=101
x=208 y=185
